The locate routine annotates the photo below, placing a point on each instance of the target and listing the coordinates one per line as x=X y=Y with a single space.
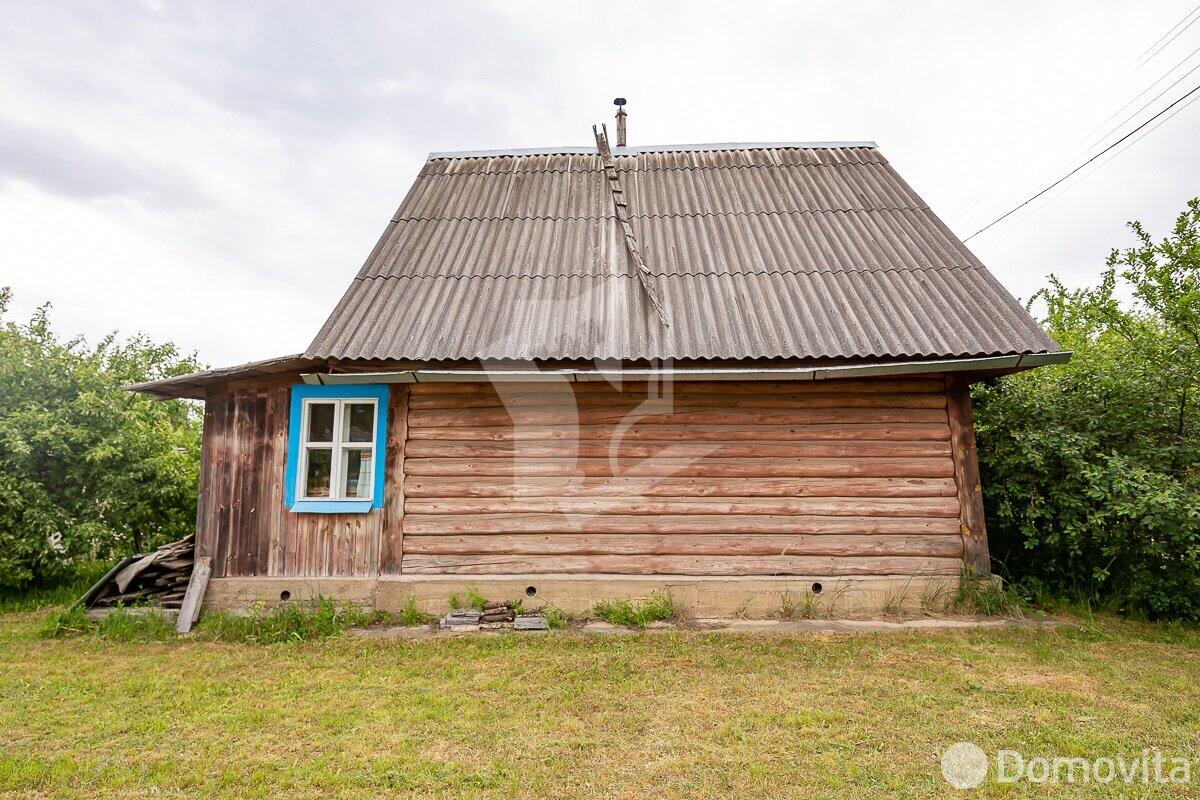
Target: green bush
x=657 y=608
x=1090 y=469
x=88 y=471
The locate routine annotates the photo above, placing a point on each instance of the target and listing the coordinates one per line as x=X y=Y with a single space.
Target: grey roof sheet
x=792 y=251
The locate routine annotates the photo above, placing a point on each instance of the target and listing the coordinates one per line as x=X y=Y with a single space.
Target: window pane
x=360 y=422
x=316 y=482
x=320 y=422
x=358 y=474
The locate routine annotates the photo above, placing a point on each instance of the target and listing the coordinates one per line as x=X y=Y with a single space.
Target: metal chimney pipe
x=621 y=115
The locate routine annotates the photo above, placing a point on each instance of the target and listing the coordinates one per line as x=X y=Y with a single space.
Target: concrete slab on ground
x=723 y=625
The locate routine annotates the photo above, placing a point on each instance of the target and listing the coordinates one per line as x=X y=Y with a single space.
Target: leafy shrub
x=657 y=608
x=87 y=471
x=1091 y=470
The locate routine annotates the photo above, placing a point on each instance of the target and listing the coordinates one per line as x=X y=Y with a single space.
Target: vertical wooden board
x=206 y=490
x=193 y=598
x=221 y=480
x=966 y=474
x=246 y=478
x=277 y=412
x=391 y=523
x=255 y=524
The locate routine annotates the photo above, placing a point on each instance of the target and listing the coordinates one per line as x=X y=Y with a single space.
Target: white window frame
x=339 y=446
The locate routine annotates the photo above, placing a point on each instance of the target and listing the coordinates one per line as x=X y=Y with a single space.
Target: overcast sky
x=214 y=173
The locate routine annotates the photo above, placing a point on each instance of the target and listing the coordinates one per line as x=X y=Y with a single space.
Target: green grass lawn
x=677 y=714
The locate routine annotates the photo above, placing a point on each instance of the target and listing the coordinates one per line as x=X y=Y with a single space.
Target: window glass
x=357 y=474
x=339 y=451
x=320 y=422
x=320 y=465
x=360 y=422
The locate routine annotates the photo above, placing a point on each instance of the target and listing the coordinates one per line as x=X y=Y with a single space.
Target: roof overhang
x=986 y=365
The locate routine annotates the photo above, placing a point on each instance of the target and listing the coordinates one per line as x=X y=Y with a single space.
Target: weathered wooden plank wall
x=241 y=518
x=849 y=477
x=722 y=478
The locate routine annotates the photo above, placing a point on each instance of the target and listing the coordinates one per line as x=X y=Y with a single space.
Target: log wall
x=720 y=478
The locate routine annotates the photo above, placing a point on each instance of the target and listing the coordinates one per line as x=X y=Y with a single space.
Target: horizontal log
x=430 y=524
x=945 y=546
x=541 y=449
x=679 y=487
x=680 y=565
x=804 y=506
x=686 y=467
x=880 y=384
x=893 y=432
x=679 y=399
x=434 y=418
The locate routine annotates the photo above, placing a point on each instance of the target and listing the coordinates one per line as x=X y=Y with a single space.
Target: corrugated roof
x=792 y=251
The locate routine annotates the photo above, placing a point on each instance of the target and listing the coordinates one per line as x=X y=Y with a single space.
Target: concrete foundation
x=745 y=597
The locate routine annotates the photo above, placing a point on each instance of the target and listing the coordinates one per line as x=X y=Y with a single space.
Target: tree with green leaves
x=87 y=470
x=1091 y=470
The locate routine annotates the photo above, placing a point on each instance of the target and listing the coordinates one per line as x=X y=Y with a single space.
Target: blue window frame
x=337 y=448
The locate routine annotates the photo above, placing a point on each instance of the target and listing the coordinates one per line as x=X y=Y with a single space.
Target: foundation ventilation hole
x=285 y=595
x=530 y=591
x=816 y=588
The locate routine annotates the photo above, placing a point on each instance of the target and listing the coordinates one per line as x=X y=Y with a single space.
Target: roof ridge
x=736 y=273
x=629 y=150
x=756 y=212
x=882 y=162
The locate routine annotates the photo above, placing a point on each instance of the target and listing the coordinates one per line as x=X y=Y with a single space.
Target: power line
x=1168 y=33
x=1018 y=207
x=1096 y=168
x=1135 y=66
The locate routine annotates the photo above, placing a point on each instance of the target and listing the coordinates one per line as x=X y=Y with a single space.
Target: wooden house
x=734 y=372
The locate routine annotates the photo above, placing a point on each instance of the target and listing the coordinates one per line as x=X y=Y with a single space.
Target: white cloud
x=215 y=173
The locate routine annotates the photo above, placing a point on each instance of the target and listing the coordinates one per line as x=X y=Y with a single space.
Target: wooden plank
x=881 y=384
x=937 y=546
x=898 y=431
x=207 y=488
x=681 y=400
x=193 y=598
x=541 y=449
x=588 y=416
x=679 y=487
x=392 y=536
x=775 y=506
x=433 y=524
x=966 y=474
x=687 y=467
x=278 y=411
x=417 y=564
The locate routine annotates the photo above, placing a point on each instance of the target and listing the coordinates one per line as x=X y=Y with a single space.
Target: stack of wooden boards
x=159 y=577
